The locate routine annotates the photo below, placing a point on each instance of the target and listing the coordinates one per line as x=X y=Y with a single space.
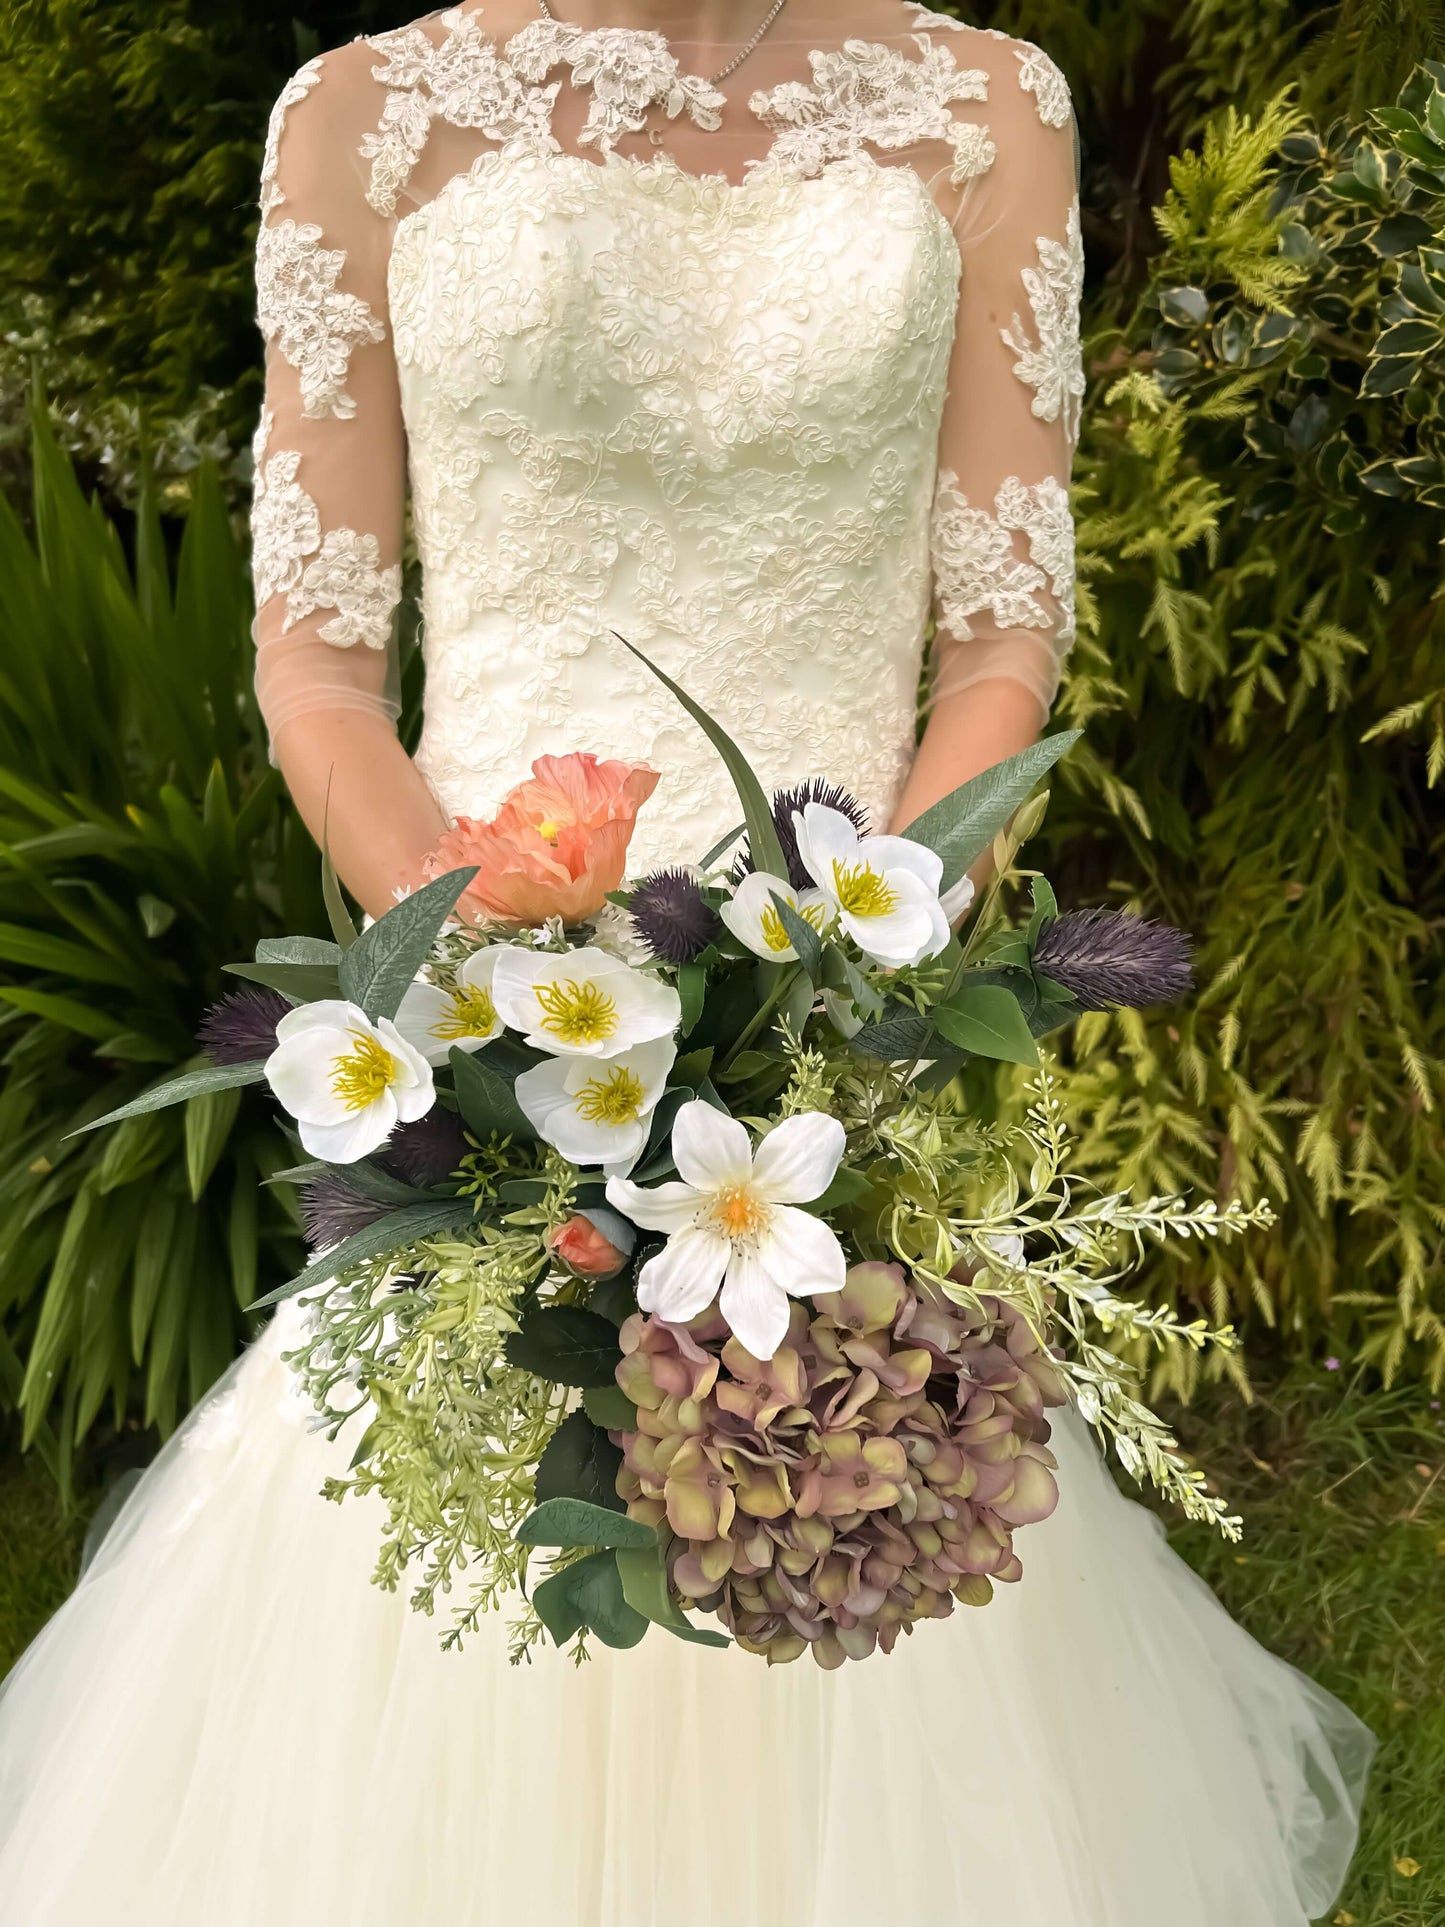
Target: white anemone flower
x=435 y=1020
x=732 y=1221
x=347 y=1081
x=753 y=918
x=884 y=889
x=598 y=1113
x=581 y=1003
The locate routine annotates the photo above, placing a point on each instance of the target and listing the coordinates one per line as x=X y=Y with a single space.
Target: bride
x=749 y=330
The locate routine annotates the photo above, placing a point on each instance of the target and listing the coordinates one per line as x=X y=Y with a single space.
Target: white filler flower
x=598 y=1113
x=884 y=889
x=753 y=918
x=732 y=1222
x=347 y=1081
x=435 y=1020
x=581 y=1003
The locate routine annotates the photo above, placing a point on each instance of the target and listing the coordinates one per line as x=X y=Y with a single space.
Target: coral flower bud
x=580 y=1246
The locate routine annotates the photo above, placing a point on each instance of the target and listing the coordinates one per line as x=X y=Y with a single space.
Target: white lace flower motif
x=1039 y=76
x=347 y=1081
x=296 y=89
x=285 y=525
x=598 y=1113
x=733 y=1222
x=347 y=576
x=869 y=95
x=1053 y=364
x=977 y=568
x=315 y=327
x=882 y=889
x=462 y=1015
x=581 y=1003
x=630 y=71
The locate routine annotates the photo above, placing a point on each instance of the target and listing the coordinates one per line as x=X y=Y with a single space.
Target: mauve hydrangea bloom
x=869 y=1475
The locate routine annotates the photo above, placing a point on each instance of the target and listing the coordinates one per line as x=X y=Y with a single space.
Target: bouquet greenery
x=656 y=1246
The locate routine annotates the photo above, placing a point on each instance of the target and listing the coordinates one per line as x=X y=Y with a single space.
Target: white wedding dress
x=758 y=399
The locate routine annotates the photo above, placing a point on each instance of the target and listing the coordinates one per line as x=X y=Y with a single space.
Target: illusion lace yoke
x=764 y=399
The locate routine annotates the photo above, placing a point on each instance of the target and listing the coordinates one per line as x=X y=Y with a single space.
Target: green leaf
x=802 y=936
x=691 y=991
x=580 y=1462
x=986 y=1020
x=299 y=950
x=1046 y=909
x=692 y=1067
x=302 y=983
x=572 y=1522
x=568 y=1345
x=899 y=1034
x=208 y=1123
x=589 y=1594
x=720 y=850
x=763 y=844
x=179 y=1090
x=610 y=1407
x=645 y=1588
x=964 y=824
x=381 y=966
x=401 y=1228
x=487 y=1102
x=339 y=917
x=848 y=1187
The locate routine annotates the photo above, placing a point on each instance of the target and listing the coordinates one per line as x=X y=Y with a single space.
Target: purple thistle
x=786 y=805
x=1111 y=960
x=673 y=917
x=242 y=1027
x=332 y=1211
x=429 y=1149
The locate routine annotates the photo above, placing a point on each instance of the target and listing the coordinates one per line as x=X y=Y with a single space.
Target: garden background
x=1261 y=674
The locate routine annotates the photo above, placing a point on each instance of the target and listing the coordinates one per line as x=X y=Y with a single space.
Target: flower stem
x=760 y=1017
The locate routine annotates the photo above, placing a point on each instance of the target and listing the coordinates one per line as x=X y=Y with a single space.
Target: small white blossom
x=347 y=1081
x=753 y=918
x=435 y=1020
x=581 y=1003
x=883 y=889
x=598 y=1113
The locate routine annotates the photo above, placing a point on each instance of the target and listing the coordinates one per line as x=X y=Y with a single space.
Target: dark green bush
x=144 y=843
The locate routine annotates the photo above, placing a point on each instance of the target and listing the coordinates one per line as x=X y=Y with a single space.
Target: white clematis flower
x=883 y=889
x=347 y=1081
x=598 y=1113
x=753 y=918
x=732 y=1222
x=581 y=1003
x=435 y=1020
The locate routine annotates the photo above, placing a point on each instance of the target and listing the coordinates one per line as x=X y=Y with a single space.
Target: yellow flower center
x=473 y=1014
x=775 y=936
x=862 y=891
x=739 y=1212
x=363 y=1074
x=614 y=1099
x=549 y=832
x=577 y=1013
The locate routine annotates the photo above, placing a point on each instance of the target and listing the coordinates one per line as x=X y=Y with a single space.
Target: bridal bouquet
x=661 y=1267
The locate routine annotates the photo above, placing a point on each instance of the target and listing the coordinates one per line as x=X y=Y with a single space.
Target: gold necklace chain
x=723 y=73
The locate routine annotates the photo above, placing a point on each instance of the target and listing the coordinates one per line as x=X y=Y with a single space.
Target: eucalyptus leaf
x=408 y=1226
x=964 y=824
x=301 y=983
x=573 y=1522
x=298 y=950
x=381 y=966
x=645 y=1588
x=180 y=1090
x=589 y=1594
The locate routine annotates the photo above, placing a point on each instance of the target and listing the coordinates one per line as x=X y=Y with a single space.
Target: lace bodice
x=758 y=399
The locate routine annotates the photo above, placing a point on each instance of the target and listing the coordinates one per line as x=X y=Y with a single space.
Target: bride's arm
x=327 y=519
x=1002 y=534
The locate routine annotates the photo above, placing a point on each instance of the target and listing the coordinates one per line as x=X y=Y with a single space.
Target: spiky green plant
x=144 y=842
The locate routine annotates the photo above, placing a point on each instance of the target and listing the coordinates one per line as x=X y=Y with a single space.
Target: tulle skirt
x=229 y=1726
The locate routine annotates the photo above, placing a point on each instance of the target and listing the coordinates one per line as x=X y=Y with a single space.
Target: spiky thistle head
x=786 y=805
x=673 y=917
x=331 y=1211
x=241 y=1028
x=1111 y=960
x=429 y=1149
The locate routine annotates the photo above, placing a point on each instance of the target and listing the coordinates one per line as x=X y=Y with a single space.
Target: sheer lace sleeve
x=330 y=448
x=1003 y=541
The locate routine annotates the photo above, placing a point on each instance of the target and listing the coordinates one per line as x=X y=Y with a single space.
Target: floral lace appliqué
x=868 y=95
x=1040 y=77
x=464 y=81
x=345 y=572
x=296 y=89
x=629 y=72
x=312 y=323
x=977 y=568
x=1053 y=364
